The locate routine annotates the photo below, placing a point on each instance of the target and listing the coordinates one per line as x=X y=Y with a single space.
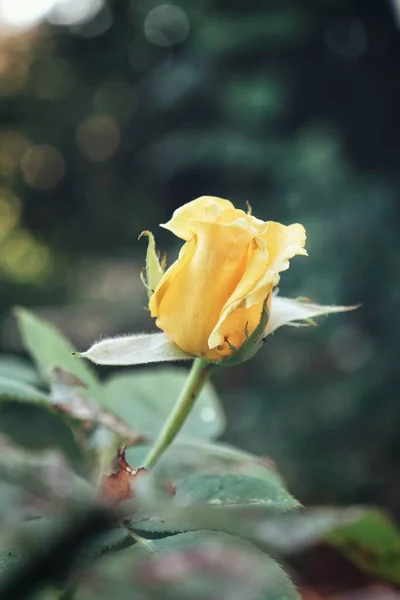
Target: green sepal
x=253 y=342
x=154 y=270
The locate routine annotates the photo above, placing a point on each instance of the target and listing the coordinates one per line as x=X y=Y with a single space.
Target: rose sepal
x=154 y=270
x=134 y=350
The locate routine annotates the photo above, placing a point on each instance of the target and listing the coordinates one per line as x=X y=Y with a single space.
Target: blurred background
x=114 y=113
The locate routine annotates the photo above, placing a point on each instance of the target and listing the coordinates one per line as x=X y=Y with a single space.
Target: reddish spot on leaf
x=170 y=488
x=120 y=485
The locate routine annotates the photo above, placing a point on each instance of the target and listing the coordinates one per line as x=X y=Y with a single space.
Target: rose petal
x=270 y=255
x=205 y=208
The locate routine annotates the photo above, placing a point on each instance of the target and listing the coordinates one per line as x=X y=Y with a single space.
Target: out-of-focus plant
x=116 y=509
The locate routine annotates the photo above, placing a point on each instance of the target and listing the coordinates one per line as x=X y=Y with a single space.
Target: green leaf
x=35 y=535
x=184 y=457
x=231 y=503
x=11 y=558
x=262 y=570
x=36 y=428
x=11 y=389
x=28 y=538
x=235 y=490
x=14 y=367
x=367 y=537
x=49 y=349
x=144 y=399
x=112 y=541
x=190 y=566
x=372 y=542
x=67 y=397
x=36 y=485
x=10 y=502
x=45 y=473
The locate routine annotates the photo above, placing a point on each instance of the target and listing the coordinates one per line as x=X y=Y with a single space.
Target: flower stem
x=197 y=377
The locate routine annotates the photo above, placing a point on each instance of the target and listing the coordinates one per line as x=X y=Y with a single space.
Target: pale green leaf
x=14 y=367
x=12 y=389
x=233 y=504
x=295 y=312
x=49 y=348
x=235 y=490
x=144 y=399
x=187 y=456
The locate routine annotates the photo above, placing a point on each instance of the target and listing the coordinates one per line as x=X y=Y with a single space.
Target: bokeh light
x=42 y=167
x=15 y=55
x=73 y=12
x=24 y=258
x=19 y=15
x=13 y=146
x=24 y=14
x=166 y=25
x=10 y=211
x=96 y=25
x=98 y=137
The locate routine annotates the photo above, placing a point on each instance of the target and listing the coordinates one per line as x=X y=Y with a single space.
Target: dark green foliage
x=228 y=507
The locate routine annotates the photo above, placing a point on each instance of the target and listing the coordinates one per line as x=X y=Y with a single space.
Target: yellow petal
x=205 y=208
x=269 y=256
x=283 y=243
x=209 y=209
x=184 y=257
x=192 y=293
x=234 y=329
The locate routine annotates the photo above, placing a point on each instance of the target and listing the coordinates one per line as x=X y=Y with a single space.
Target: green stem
x=197 y=377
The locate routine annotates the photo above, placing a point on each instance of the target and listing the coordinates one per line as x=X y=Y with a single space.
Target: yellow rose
x=212 y=296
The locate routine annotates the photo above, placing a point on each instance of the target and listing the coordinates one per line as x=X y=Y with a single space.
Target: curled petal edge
x=134 y=350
